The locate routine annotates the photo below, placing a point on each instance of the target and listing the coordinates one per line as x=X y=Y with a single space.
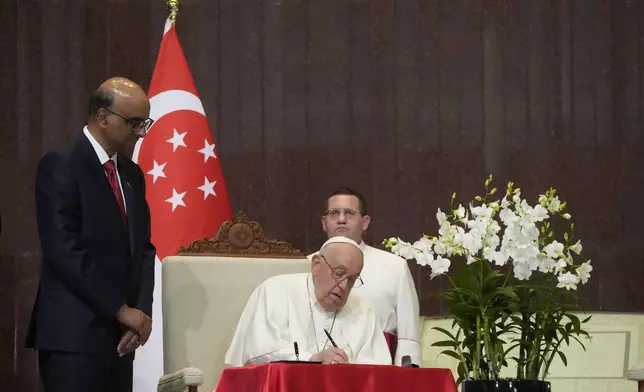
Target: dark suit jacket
x=91 y=264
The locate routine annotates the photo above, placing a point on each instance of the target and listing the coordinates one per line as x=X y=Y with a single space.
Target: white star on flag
x=177 y=140
x=157 y=171
x=208 y=188
x=208 y=151
x=176 y=199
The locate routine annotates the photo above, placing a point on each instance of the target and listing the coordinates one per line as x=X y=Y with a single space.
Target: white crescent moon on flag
x=166 y=103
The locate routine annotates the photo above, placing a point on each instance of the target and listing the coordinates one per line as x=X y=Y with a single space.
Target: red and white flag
x=184 y=181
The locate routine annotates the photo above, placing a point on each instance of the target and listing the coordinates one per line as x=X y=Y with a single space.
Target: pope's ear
x=315 y=261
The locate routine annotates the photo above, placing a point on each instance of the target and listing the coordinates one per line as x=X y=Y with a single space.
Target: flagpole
x=173 y=7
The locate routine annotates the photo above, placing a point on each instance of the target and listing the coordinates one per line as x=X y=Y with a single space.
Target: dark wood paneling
x=406 y=101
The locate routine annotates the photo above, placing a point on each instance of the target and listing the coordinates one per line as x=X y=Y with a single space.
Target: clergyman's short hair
x=362 y=204
x=99 y=99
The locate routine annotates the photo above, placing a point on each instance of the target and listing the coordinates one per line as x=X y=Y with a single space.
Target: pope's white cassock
x=284 y=309
x=389 y=289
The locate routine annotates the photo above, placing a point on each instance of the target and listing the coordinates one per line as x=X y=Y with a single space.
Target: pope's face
x=334 y=272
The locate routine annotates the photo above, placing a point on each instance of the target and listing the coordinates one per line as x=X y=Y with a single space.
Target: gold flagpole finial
x=173 y=7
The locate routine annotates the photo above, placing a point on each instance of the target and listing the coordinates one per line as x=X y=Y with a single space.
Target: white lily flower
x=560 y=266
x=522 y=271
x=500 y=258
x=516 y=198
x=439 y=248
x=508 y=217
x=439 y=266
x=524 y=252
x=424 y=258
x=404 y=250
x=576 y=247
x=568 y=281
x=482 y=211
x=477 y=224
x=493 y=227
x=460 y=211
x=584 y=271
x=505 y=203
x=546 y=264
x=473 y=241
x=441 y=218
x=423 y=245
x=539 y=213
x=554 y=249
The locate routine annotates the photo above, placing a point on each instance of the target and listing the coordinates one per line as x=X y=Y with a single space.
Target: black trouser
x=72 y=372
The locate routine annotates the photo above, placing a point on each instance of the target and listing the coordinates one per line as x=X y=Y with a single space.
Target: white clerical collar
x=100 y=152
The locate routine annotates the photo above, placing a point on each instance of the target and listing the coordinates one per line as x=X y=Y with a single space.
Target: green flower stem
x=525 y=317
x=546 y=368
x=463 y=361
x=491 y=358
x=476 y=358
x=532 y=370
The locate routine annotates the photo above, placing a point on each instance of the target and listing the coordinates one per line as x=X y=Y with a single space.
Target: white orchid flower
x=568 y=281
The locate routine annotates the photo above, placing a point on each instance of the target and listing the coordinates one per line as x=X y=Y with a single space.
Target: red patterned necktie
x=110 y=168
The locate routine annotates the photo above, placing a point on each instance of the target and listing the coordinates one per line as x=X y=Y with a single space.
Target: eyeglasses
x=339 y=275
x=334 y=213
x=138 y=124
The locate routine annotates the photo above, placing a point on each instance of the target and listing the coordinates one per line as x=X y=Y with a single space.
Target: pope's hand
x=332 y=355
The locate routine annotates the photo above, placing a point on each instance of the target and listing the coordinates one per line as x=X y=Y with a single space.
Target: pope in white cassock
x=299 y=308
x=391 y=292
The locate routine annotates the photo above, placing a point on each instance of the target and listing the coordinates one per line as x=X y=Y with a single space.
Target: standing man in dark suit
x=94 y=302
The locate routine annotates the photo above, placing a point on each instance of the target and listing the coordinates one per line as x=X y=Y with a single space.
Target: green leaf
x=451 y=353
x=509 y=292
x=563 y=358
x=445 y=343
x=446 y=332
x=462 y=372
x=575 y=321
x=512 y=347
x=580 y=343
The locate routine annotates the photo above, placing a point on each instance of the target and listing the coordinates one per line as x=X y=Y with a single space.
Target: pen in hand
x=328 y=335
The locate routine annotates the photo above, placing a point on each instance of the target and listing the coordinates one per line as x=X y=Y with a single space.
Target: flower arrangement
x=513 y=296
